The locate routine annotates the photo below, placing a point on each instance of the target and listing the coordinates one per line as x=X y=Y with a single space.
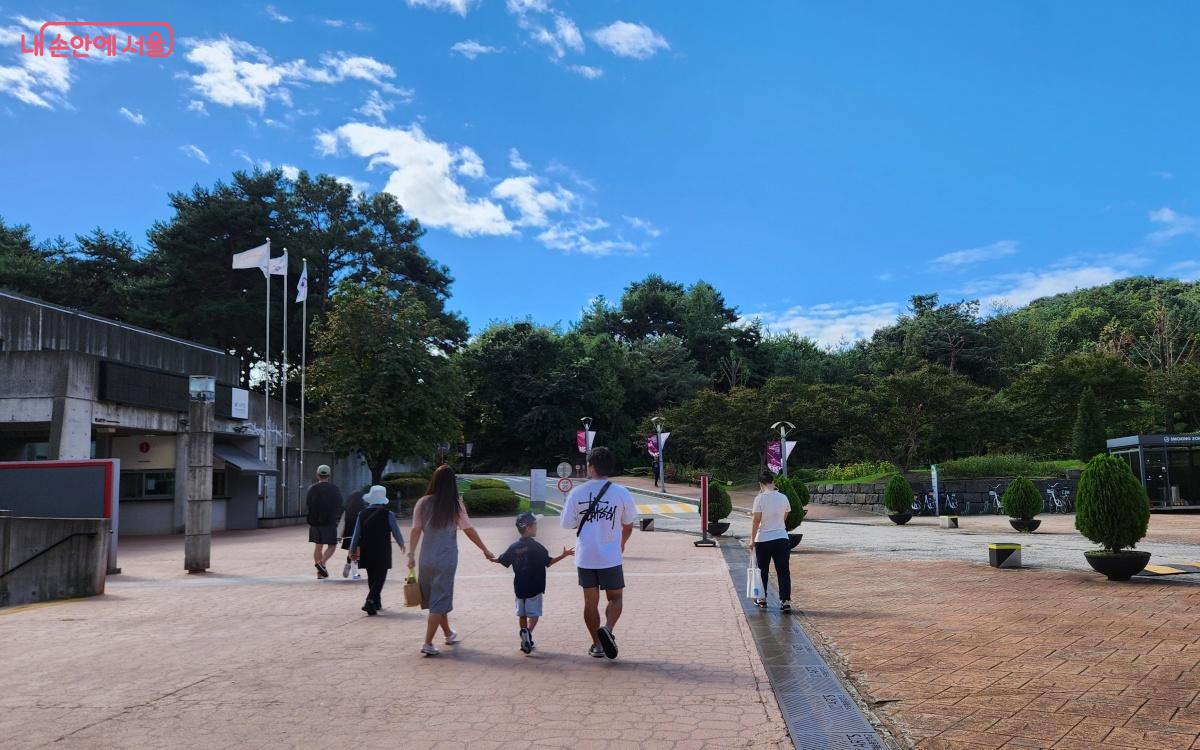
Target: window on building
x=219 y=487
x=159 y=484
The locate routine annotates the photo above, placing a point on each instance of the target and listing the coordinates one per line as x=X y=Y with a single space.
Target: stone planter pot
x=1118 y=566
x=717 y=528
x=1025 y=526
x=900 y=518
x=794 y=539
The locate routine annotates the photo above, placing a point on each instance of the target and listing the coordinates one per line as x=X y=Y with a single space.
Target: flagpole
x=283 y=377
x=267 y=375
x=303 y=367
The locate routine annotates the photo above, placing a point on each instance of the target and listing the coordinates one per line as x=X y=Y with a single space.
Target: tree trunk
x=376 y=465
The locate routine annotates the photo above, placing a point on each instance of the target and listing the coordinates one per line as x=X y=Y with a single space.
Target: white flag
x=302 y=284
x=254 y=258
x=276 y=266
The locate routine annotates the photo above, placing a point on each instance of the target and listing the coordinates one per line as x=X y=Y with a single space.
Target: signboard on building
x=239 y=405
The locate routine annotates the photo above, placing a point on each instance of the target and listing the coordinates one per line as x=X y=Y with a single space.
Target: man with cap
x=324 y=503
x=528 y=560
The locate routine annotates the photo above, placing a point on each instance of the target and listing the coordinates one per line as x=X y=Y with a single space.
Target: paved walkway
x=260 y=654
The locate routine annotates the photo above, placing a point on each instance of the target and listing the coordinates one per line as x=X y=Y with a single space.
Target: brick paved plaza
x=260 y=654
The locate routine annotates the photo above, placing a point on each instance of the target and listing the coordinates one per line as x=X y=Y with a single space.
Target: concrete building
x=74 y=385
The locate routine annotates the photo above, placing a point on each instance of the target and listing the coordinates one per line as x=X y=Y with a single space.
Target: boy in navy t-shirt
x=529 y=560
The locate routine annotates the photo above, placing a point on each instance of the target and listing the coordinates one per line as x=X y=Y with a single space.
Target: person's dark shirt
x=324 y=504
x=354 y=506
x=529 y=561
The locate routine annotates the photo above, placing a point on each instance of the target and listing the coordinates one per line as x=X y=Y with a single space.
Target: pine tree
x=1087 y=437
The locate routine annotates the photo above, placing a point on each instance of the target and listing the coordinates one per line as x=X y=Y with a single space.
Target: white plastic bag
x=754 y=584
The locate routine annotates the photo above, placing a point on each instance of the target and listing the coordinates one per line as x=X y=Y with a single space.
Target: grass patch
x=868 y=479
x=545 y=511
x=1004 y=465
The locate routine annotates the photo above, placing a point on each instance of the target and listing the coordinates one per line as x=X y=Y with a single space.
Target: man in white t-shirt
x=603 y=514
x=769 y=538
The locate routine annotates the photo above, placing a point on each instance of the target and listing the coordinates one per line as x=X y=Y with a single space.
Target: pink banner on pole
x=581 y=441
x=652 y=445
x=774 y=459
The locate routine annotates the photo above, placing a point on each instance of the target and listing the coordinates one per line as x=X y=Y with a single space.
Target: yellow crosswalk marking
x=651 y=509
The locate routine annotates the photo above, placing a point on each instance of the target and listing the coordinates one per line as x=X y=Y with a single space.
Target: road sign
x=564 y=470
x=565 y=485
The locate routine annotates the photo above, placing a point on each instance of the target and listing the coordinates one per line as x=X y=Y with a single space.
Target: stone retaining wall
x=972 y=494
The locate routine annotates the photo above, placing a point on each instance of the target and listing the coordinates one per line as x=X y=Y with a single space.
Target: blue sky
x=818 y=162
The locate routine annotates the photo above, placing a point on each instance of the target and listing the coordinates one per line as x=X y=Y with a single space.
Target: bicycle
x=951 y=506
x=923 y=505
x=1059 y=501
x=995 y=503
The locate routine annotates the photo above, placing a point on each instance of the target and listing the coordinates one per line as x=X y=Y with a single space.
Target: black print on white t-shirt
x=604 y=512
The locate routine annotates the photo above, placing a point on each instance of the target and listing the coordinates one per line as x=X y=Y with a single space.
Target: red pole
x=704 y=540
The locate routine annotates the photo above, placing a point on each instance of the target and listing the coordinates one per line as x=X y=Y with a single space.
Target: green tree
x=104 y=275
x=1111 y=507
x=797 y=495
x=898 y=495
x=1022 y=499
x=382 y=385
x=27 y=268
x=1087 y=435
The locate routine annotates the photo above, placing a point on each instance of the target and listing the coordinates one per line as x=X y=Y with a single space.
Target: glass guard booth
x=1167 y=465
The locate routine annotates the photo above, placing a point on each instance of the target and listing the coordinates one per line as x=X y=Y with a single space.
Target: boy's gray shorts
x=531 y=607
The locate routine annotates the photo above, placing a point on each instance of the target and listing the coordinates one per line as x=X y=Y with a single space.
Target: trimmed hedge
x=797 y=495
x=407 y=475
x=488 y=484
x=1111 y=507
x=1021 y=499
x=898 y=495
x=405 y=492
x=1002 y=465
x=491 y=501
x=719 y=504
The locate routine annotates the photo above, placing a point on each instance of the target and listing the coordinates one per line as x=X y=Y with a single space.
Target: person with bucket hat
x=371 y=547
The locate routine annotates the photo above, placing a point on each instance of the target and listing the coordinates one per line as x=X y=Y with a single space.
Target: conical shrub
x=797 y=495
x=1111 y=507
x=1021 y=499
x=719 y=503
x=898 y=495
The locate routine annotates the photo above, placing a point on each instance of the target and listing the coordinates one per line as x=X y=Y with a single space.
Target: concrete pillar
x=71 y=428
x=179 y=518
x=197 y=543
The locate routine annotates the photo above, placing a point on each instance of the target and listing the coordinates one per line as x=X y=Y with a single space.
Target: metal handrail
x=52 y=546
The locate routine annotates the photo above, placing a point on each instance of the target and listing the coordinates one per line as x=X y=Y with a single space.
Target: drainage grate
x=819 y=713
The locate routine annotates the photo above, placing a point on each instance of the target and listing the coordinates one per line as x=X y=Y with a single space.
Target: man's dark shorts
x=322 y=534
x=609 y=579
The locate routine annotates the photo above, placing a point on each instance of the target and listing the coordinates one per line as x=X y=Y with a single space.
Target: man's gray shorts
x=531 y=607
x=609 y=579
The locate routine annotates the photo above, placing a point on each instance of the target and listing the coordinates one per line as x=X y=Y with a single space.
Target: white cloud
x=472 y=49
x=625 y=39
x=516 y=162
x=327 y=143
x=422 y=177
x=137 y=118
x=587 y=71
x=1173 y=225
x=1188 y=270
x=574 y=238
x=533 y=204
x=194 y=152
x=568 y=33
x=336 y=23
x=454 y=6
x=195 y=105
x=238 y=74
x=644 y=224
x=358 y=186
x=521 y=7
x=41 y=81
x=993 y=251
x=289 y=171
x=469 y=164
x=564 y=37
x=832 y=325
x=275 y=15
x=375 y=107
x=1018 y=289
x=1163 y=174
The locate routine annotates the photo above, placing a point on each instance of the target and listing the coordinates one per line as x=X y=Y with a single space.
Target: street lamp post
x=784 y=428
x=662 y=467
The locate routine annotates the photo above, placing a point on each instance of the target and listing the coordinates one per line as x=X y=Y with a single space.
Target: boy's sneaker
x=608 y=642
x=321 y=571
x=785 y=606
x=526 y=641
x=346 y=571
x=596 y=651
x=430 y=650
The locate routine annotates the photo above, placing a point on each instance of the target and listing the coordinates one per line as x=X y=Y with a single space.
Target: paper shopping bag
x=412 y=592
x=754 y=584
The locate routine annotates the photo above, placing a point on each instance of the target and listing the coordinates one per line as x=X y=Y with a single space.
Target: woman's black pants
x=778 y=551
x=376 y=576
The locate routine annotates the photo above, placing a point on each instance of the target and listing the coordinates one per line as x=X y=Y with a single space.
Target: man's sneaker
x=785 y=606
x=346 y=571
x=370 y=607
x=607 y=642
x=526 y=641
x=596 y=651
x=321 y=571
x=429 y=650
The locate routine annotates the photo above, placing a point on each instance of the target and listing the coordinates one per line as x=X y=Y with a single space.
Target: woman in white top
x=769 y=538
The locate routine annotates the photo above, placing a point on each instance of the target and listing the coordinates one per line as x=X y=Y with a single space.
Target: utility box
x=948 y=522
x=1004 y=555
x=537 y=488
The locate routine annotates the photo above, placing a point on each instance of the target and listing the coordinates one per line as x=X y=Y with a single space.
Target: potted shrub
x=1022 y=501
x=1112 y=510
x=797 y=495
x=897 y=498
x=719 y=508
